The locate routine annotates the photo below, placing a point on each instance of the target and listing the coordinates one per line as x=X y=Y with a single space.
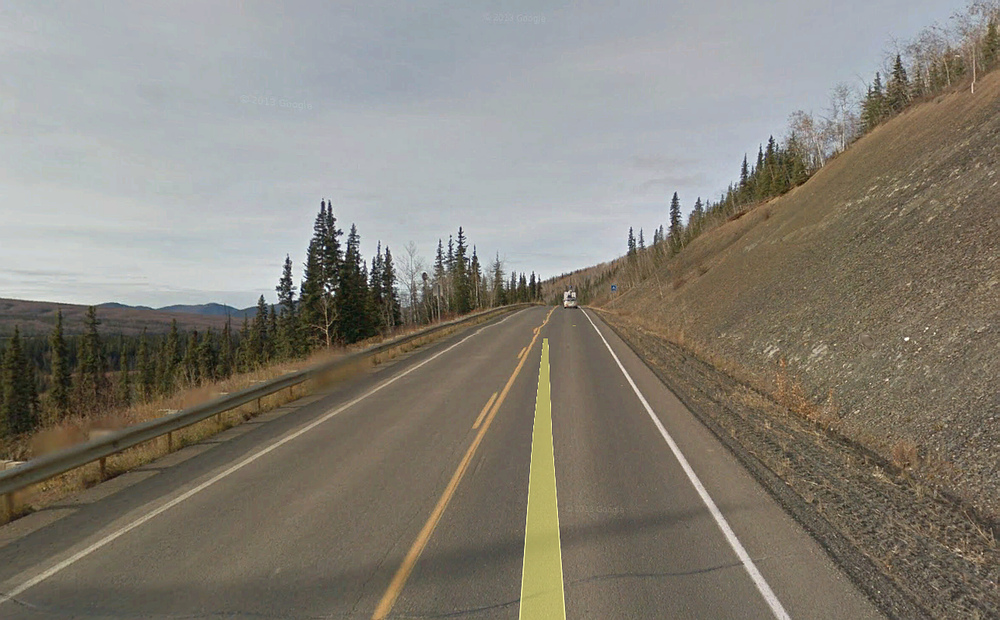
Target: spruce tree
x=642 y=240
x=394 y=315
x=146 y=369
x=287 y=344
x=499 y=294
x=160 y=363
x=771 y=175
x=208 y=359
x=760 y=188
x=61 y=379
x=332 y=254
x=171 y=360
x=270 y=342
x=224 y=368
x=898 y=90
x=991 y=47
x=450 y=259
x=476 y=278
x=92 y=385
x=744 y=179
x=799 y=174
x=320 y=279
x=449 y=289
x=123 y=391
x=631 y=243
x=675 y=222
x=190 y=364
x=697 y=216
x=440 y=274
x=463 y=288
x=244 y=348
x=258 y=336
x=439 y=264
x=375 y=291
x=873 y=108
x=352 y=296
x=18 y=392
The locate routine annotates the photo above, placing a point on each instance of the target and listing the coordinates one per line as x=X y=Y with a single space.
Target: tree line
x=342 y=299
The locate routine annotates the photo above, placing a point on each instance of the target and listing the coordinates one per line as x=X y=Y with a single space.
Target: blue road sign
x=614 y=287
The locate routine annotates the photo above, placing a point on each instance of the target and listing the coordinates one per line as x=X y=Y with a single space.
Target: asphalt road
x=409 y=491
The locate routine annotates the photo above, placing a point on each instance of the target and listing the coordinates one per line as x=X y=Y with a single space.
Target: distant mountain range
x=37 y=317
x=209 y=309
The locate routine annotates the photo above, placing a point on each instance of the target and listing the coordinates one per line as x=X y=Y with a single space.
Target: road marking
x=79 y=555
x=542 y=594
x=765 y=590
x=521 y=354
x=403 y=572
x=482 y=413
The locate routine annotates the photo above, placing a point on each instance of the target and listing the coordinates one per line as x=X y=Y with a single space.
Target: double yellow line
x=392 y=593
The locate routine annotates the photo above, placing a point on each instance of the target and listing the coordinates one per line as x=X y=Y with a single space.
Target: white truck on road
x=569 y=299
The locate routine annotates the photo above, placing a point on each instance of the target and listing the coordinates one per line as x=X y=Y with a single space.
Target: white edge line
x=79 y=555
x=720 y=520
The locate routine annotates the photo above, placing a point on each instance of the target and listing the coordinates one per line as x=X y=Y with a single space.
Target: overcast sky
x=137 y=164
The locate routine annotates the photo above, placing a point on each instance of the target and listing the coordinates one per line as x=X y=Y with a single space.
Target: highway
x=529 y=467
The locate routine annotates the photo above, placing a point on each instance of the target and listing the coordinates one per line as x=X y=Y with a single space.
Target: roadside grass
x=76 y=429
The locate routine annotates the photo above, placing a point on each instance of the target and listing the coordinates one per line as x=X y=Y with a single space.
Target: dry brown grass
x=905 y=456
x=790 y=393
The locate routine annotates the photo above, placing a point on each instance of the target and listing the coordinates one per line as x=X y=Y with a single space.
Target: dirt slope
x=878 y=281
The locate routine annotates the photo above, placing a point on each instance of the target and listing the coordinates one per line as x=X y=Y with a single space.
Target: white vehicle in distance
x=569 y=299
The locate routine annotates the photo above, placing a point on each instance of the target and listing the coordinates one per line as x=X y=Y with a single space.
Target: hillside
x=38 y=317
x=209 y=309
x=212 y=309
x=878 y=281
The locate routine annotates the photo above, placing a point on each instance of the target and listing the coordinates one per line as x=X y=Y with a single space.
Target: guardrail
x=51 y=465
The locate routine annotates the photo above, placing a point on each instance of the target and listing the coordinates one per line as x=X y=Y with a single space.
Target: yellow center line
x=482 y=413
x=542 y=595
x=521 y=354
x=403 y=572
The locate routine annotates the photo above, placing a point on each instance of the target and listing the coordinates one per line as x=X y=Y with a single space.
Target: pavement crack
x=381 y=560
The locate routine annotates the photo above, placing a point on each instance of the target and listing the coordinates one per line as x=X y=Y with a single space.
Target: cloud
x=660 y=163
x=671 y=182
